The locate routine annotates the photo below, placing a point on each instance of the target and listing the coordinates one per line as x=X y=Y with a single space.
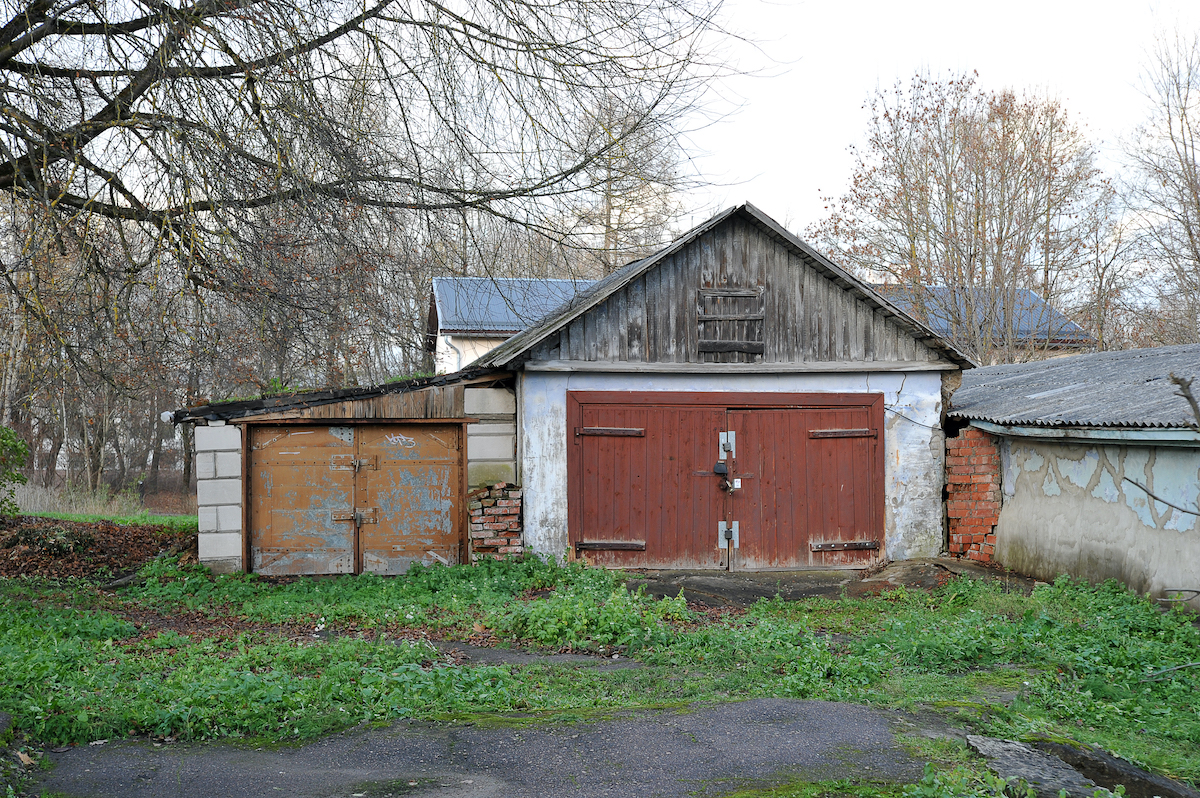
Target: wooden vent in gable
x=729 y=323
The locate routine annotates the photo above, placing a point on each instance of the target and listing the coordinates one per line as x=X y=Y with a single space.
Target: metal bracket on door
x=369 y=463
x=360 y=515
x=727 y=534
x=727 y=444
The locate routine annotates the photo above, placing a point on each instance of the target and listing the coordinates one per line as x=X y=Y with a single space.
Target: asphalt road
x=706 y=751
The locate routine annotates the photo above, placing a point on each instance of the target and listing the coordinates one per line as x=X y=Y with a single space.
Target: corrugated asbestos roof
x=1033 y=321
x=1131 y=388
x=498 y=306
x=513 y=348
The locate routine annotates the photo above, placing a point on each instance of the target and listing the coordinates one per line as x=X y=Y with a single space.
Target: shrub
x=13 y=454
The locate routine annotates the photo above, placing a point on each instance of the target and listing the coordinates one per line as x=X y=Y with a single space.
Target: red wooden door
x=804 y=478
x=806 y=487
x=649 y=497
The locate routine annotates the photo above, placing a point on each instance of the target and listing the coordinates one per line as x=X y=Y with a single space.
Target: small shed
x=1087 y=465
x=348 y=481
x=733 y=401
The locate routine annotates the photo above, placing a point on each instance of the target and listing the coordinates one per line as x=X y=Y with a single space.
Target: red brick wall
x=496 y=522
x=973 y=493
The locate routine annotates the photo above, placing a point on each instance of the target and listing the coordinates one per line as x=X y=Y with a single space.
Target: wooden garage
x=367 y=480
x=735 y=400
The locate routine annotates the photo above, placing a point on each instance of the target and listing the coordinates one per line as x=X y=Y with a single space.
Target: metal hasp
x=841 y=433
x=847 y=545
x=612 y=432
x=727 y=444
x=728 y=533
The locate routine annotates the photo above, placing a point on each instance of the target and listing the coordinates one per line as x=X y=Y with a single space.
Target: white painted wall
x=1068 y=509
x=914 y=444
x=454 y=352
x=219 y=496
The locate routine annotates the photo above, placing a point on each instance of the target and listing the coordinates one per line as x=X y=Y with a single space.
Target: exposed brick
x=990 y=540
x=496 y=526
x=508 y=502
x=494 y=542
x=512 y=550
x=480 y=533
x=488 y=502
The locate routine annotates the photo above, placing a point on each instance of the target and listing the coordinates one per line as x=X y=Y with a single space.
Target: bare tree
x=965 y=199
x=1165 y=154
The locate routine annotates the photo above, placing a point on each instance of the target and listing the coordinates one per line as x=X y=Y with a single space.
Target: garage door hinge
x=727 y=533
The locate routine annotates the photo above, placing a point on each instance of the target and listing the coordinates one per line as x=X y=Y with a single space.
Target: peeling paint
x=1079 y=471
x=1071 y=511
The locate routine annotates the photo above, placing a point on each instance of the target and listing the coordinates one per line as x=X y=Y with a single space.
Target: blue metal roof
x=500 y=306
x=1033 y=321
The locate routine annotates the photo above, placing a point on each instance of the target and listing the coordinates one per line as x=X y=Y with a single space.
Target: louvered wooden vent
x=729 y=323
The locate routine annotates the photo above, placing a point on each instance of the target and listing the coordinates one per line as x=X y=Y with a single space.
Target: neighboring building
x=1019 y=320
x=734 y=401
x=1072 y=448
x=470 y=316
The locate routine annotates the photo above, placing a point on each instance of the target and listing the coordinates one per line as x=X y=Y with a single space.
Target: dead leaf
x=97 y=742
x=25 y=758
x=479 y=628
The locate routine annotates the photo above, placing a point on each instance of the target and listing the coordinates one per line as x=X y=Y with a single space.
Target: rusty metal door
x=301 y=499
x=644 y=494
x=803 y=488
x=410 y=482
x=342 y=499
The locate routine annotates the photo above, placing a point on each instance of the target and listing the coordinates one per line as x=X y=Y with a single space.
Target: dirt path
x=706 y=751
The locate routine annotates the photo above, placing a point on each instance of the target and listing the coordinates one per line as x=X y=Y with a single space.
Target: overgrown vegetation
x=1069 y=661
x=13 y=454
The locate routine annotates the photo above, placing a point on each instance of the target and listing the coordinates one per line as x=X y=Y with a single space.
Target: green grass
x=1070 y=661
x=178 y=523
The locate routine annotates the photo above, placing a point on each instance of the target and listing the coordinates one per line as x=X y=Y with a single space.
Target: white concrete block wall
x=219 y=496
x=492 y=442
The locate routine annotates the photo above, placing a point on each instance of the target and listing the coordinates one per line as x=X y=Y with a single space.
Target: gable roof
x=497 y=306
x=1033 y=320
x=511 y=350
x=1130 y=388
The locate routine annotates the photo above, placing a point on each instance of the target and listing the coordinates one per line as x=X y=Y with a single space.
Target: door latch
x=727 y=445
x=727 y=533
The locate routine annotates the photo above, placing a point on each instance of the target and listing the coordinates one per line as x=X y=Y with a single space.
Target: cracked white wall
x=1074 y=509
x=914 y=444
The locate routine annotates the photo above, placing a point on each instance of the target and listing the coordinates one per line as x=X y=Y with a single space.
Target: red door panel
x=646 y=479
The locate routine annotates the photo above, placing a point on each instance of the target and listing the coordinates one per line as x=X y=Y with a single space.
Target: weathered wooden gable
x=735 y=294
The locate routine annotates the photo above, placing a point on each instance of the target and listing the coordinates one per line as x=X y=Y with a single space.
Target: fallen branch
x=1159 y=498
x=1185 y=390
x=1156 y=676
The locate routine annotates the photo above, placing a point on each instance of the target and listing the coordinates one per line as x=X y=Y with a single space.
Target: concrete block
x=491 y=429
x=491 y=447
x=219 y=545
x=225 y=565
x=229 y=464
x=229 y=518
x=206 y=465
x=488 y=401
x=213 y=439
x=489 y=473
x=208 y=519
x=218 y=491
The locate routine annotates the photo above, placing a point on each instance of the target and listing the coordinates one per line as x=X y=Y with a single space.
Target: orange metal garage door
x=349 y=499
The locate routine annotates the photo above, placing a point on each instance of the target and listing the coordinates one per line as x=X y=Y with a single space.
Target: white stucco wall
x=1069 y=509
x=452 y=352
x=914 y=444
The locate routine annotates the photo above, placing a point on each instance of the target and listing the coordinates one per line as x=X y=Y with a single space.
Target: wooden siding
x=435 y=402
x=807 y=317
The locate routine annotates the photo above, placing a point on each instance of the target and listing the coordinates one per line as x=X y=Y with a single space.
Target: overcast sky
x=787 y=145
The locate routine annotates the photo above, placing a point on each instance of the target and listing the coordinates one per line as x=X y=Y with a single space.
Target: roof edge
x=504 y=355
